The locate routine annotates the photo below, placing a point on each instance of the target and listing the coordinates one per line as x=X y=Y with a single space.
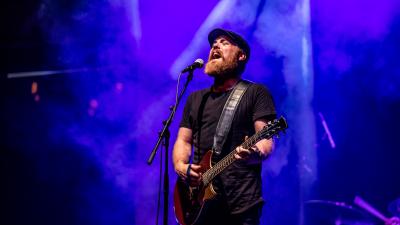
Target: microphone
x=197 y=64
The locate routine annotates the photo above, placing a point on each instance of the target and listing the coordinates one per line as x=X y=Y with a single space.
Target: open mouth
x=216 y=55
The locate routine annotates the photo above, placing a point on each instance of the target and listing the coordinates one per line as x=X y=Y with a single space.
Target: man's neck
x=225 y=84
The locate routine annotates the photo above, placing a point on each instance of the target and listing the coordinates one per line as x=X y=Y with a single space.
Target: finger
x=244 y=152
x=195 y=167
x=237 y=156
x=194 y=174
x=237 y=149
x=241 y=154
x=240 y=149
x=237 y=153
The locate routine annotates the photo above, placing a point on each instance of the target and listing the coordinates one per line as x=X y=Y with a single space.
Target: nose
x=215 y=45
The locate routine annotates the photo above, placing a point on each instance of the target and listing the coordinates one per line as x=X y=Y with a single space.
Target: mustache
x=215 y=54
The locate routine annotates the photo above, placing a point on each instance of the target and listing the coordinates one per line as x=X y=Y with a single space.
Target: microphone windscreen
x=200 y=62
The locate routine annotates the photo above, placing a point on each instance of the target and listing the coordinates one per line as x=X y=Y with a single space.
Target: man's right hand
x=192 y=175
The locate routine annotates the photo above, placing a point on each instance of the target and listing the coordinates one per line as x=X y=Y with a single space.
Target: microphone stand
x=164 y=136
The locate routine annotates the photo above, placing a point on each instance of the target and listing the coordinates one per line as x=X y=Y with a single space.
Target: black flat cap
x=236 y=38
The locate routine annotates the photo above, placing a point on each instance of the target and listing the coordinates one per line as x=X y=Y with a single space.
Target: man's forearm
x=265 y=147
x=181 y=152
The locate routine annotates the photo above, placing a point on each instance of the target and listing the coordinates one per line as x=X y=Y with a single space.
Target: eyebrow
x=224 y=38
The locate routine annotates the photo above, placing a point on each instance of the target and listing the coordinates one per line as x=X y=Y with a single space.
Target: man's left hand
x=252 y=155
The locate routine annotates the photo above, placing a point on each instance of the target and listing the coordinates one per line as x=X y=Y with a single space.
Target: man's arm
x=181 y=155
x=265 y=146
x=261 y=150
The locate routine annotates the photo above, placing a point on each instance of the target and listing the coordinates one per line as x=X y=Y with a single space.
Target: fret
x=266 y=133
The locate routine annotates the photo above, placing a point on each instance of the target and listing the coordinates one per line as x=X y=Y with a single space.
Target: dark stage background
x=85 y=85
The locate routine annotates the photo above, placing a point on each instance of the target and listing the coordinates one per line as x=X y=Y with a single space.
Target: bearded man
x=238 y=187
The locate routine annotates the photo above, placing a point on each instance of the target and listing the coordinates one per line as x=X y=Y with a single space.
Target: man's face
x=224 y=57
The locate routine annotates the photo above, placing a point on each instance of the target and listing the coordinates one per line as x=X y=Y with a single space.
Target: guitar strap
x=226 y=118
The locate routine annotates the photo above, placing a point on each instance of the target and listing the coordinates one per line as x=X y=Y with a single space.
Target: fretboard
x=210 y=174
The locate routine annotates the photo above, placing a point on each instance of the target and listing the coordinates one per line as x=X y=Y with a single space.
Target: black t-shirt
x=239 y=184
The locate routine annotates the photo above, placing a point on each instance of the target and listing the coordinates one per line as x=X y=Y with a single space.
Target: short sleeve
x=264 y=107
x=186 y=117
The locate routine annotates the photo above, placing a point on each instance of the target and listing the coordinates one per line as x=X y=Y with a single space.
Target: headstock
x=274 y=127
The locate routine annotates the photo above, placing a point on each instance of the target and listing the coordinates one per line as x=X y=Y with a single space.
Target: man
x=239 y=199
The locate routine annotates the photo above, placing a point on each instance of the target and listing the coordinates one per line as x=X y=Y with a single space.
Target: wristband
x=188 y=173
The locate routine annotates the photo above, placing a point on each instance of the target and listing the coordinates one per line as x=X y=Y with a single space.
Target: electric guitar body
x=191 y=203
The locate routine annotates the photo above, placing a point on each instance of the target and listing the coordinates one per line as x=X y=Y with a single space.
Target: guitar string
x=267 y=132
x=230 y=158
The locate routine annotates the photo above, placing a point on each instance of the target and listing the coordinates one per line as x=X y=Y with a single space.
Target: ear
x=242 y=56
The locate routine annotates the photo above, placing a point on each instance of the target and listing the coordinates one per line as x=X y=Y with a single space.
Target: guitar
x=191 y=202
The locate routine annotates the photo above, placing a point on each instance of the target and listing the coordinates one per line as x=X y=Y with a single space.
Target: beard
x=222 y=67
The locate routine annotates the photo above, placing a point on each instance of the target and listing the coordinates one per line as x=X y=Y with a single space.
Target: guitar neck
x=210 y=174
